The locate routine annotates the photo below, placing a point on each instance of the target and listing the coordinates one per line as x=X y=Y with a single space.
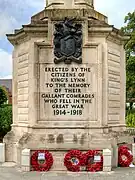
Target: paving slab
x=15 y=173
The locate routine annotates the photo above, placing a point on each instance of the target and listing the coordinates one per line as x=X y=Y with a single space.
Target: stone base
x=59 y=141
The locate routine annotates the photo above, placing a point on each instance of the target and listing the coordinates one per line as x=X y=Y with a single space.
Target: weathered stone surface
x=43 y=120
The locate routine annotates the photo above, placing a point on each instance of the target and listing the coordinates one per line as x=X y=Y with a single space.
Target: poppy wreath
x=125 y=157
x=36 y=166
x=92 y=165
x=74 y=160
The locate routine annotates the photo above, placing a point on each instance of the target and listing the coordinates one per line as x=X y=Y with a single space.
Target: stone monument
x=68 y=82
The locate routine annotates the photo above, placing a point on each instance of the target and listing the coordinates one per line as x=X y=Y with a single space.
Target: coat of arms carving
x=68 y=42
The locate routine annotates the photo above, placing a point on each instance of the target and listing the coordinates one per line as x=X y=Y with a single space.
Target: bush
x=130 y=118
x=3 y=96
x=5 y=119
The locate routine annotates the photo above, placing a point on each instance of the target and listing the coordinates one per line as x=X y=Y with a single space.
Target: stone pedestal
x=25 y=160
x=91 y=112
x=133 y=150
x=2 y=152
x=107 y=162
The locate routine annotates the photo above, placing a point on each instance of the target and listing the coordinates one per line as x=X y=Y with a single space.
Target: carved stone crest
x=68 y=42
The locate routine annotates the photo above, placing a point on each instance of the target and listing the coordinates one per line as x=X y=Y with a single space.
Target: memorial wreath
x=125 y=156
x=41 y=160
x=93 y=160
x=74 y=160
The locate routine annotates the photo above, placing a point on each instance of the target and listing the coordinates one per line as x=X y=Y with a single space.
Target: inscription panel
x=68 y=92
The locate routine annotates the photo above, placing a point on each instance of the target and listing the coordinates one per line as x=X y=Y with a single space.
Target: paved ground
x=14 y=173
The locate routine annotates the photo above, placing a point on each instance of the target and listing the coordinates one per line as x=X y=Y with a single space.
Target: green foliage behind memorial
x=129 y=29
x=3 y=96
x=130 y=118
x=5 y=120
x=5 y=114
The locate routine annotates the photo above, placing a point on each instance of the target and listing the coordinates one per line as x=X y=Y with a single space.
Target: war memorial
x=68 y=87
